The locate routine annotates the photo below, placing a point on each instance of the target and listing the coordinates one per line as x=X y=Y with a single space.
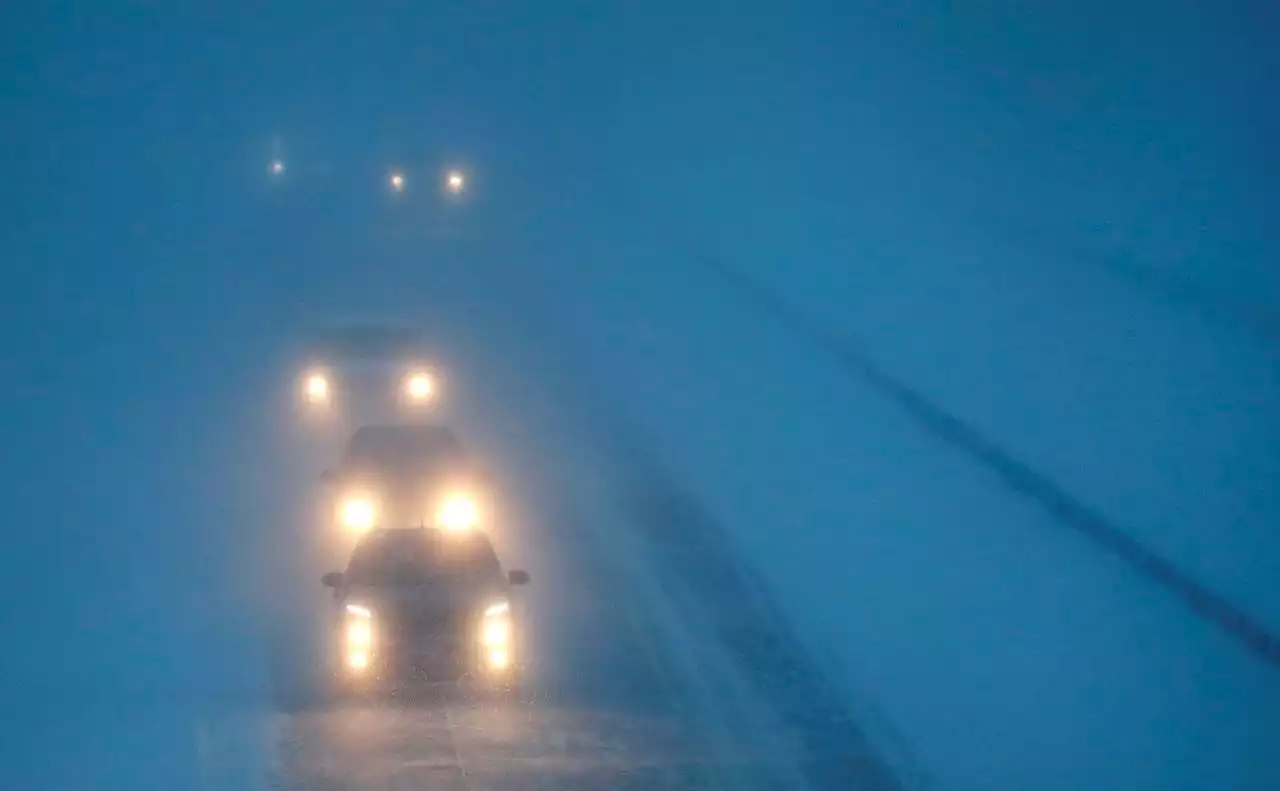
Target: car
x=423 y=604
x=393 y=475
x=371 y=372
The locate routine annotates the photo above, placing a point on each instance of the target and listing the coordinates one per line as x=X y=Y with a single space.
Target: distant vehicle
x=369 y=373
x=393 y=476
x=455 y=181
x=425 y=605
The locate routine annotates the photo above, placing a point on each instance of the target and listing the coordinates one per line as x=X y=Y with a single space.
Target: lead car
x=422 y=605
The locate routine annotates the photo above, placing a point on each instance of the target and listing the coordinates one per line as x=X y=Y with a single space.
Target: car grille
x=410 y=623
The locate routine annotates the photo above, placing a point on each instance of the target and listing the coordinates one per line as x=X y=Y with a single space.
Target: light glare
x=358 y=513
x=359 y=635
x=317 y=388
x=497 y=633
x=499 y=659
x=419 y=386
x=458 y=513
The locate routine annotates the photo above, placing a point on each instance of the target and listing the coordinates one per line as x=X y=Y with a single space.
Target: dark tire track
x=696 y=554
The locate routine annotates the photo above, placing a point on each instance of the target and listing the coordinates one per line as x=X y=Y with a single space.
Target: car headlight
x=358 y=512
x=358 y=660
x=419 y=387
x=498 y=659
x=316 y=389
x=495 y=635
x=358 y=634
x=458 y=512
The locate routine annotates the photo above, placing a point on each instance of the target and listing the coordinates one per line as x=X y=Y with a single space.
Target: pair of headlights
x=494 y=637
x=454 y=181
x=455 y=513
x=417 y=387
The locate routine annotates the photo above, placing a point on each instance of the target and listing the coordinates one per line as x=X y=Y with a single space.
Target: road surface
x=657 y=663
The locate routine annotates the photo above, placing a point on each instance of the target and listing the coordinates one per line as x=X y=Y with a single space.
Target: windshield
x=369 y=343
x=407 y=448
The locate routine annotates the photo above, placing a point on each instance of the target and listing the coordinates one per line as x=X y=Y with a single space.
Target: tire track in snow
x=1018 y=476
x=718 y=589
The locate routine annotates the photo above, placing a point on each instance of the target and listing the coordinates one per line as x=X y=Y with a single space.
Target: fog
x=1049 y=226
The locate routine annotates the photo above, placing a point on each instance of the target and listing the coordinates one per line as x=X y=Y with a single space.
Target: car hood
x=433 y=599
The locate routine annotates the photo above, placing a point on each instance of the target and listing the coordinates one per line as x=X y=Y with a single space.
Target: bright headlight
x=458 y=512
x=358 y=631
x=419 y=387
x=315 y=388
x=359 y=634
x=358 y=512
x=496 y=633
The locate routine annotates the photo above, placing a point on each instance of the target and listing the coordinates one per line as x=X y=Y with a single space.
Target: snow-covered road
x=657 y=663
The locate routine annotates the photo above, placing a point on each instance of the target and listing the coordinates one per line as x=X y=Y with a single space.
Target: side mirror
x=518 y=577
x=332 y=580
